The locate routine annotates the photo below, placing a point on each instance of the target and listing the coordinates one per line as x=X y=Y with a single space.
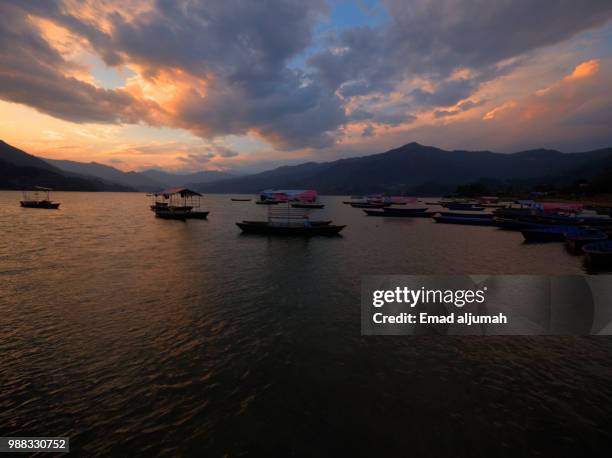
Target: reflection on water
x=136 y=335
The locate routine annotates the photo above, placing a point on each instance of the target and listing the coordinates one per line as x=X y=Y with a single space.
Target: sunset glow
x=208 y=85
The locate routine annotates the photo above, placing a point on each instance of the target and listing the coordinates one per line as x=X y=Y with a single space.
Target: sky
x=244 y=86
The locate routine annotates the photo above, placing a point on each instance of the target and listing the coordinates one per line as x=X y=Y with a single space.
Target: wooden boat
x=234 y=199
x=381 y=212
x=178 y=204
x=171 y=214
x=307 y=205
x=369 y=205
x=516 y=224
x=39 y=198
x=286 y=220
x=268 y=202
x=464 y=206
x=400 y=212
x=599 y=254
x=467 y=214
x=272 y=228
x=466 y=221
x=546 y=234
x=312 y=223
x=582 y=236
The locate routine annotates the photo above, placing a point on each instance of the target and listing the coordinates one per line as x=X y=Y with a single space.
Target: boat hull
x=539 y=235
x=399 y=214
x=464 y=221
x=314 y=206
x=45 y=205
x=264 y=228
x=599 y=254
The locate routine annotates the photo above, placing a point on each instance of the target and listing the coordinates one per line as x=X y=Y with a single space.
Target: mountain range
x=421 y=170
x=19 y=170
x=410 y=169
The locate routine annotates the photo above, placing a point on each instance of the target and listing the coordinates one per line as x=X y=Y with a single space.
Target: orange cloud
x=585 y=69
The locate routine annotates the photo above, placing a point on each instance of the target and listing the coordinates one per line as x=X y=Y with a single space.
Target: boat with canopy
x=178 y=203
x=287 y=220
x=39 y=198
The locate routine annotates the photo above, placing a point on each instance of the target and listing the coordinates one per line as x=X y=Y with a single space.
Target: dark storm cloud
x=432 y=39
x=244 y=45
x=387 y=117
x=241 y=51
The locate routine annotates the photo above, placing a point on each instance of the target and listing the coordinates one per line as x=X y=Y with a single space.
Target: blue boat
x=599 y=254
x=462 y=220
x=517 y=224
x=548 y=234
x=466 y=214
x=581 y=236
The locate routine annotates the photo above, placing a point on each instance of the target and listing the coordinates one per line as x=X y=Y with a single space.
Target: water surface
x=141 y=336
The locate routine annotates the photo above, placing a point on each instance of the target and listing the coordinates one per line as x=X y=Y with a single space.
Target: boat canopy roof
x=183 y=192
x=552 y=206
x=305 y=195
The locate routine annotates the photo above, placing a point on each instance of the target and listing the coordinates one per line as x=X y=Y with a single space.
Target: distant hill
x=147 y=181
x=416 y=169
x=135 y=180
x=175 y=179
x=20 y=170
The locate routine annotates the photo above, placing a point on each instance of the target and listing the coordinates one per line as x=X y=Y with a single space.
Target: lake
x=137 y=336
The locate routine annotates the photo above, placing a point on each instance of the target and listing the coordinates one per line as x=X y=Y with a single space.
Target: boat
x=582 y=236
x=369 y=205
x=420 y=212
x=287 y=220
x=516 y=224
x=312 y=205
x=599 y=254
x=39 y=198
x=277 y=196
x=169 y=213
x=464 y=206
x=269 y=228
x=235 y=199
x=382 y=212
x=178 y=203
x=467 y=214
x=312 y=223
x=463 y=220
x=547 y=234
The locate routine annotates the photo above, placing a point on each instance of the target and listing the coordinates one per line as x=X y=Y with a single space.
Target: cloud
x=461 y=107
x=228 y=60
x=34 y=73
x=228 y=67
x=435 y=39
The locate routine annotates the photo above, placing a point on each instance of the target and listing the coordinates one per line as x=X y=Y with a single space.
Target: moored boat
x=462 y=220
x=582 y=236
x=599 y=254
x=398 y=214
x=236 y=199
x=469 y=206
x=467 y=214
x=178 y=203
x=273 y=228
x=547 y=234
x=369 y=205
x=312 y=205
x=288 y=220
x=39 y=198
